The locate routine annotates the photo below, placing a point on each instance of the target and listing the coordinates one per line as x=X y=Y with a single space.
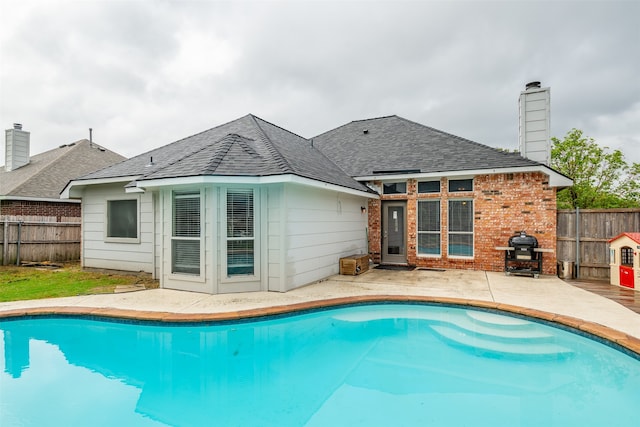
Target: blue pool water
x=372 y=365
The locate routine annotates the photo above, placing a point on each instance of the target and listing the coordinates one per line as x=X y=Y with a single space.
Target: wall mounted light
x=363 y=209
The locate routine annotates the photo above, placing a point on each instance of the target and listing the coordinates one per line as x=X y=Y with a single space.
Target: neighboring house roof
x=392 y=144
x=248 y=146
x=46 y=174
x=633 y=236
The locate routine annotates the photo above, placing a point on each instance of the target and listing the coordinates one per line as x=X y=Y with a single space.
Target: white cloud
x=145 y=73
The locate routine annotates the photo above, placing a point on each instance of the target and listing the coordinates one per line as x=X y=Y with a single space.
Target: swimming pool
x=369 y=365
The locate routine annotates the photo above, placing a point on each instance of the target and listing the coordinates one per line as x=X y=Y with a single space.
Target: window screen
x=122 y=218
x=461 y=227
x=185 y=243
x=240 y=233
x=429 y=227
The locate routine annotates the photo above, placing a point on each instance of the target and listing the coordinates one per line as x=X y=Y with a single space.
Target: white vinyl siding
x=320 y=227
x=99 y=251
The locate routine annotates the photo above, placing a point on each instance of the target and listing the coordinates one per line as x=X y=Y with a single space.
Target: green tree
x=601 y=179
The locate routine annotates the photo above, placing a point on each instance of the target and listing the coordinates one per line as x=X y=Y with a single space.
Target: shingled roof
x=46 y=174
x=391 y=144
x=248 y=146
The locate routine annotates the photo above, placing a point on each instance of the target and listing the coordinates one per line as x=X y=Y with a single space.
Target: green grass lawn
x=23 y=283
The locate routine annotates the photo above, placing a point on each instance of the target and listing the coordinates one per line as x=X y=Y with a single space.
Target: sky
x=145 y=73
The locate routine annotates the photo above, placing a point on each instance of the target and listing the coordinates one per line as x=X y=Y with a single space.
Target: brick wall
x=33 y=208
x=503 y=205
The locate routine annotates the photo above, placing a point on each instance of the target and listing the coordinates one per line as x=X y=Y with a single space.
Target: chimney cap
x=533 y=85
x=17 y=126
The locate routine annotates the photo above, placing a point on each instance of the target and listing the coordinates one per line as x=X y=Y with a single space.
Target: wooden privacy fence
x=586 y=232
x=23 y=241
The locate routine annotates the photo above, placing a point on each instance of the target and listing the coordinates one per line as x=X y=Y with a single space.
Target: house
x=244 y=206
x=250 y=206
x=30 y=186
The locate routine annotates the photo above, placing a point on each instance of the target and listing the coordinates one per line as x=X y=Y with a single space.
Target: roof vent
x=366 y=131
x=532 y=85
x=17 y=126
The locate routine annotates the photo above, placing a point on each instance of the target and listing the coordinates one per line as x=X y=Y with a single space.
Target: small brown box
x=354 y=264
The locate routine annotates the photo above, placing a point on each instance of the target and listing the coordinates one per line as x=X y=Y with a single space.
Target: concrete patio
x=547 y=294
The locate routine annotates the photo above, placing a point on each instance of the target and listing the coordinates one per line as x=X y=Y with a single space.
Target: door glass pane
x=395 y=230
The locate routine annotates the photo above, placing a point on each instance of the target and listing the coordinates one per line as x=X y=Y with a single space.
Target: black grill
x=523 y=247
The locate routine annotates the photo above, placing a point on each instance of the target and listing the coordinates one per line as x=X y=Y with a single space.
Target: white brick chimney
x=535 y=126
x=16 y=147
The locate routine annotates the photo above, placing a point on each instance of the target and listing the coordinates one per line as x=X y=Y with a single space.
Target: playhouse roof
x=633 y=236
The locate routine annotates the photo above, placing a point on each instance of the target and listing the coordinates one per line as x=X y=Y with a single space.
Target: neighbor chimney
x=535 y=127
x=16 y=147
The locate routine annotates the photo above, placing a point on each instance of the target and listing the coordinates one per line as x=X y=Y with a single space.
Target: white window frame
x=225 y=278
x=472 y=232
x=109 y=239
x=180 y=275
x=438 y=232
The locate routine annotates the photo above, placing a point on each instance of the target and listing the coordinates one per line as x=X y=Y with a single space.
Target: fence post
x=577 y=243
x=18 y=247
x=5 y=243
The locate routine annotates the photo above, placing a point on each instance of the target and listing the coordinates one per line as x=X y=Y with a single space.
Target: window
x=240 y=233
x=185 y=240
x=626 y=256
x=122 y=219
x=394 y=188
x=429 y=227
x=461 y=228
x=429 y=187
x=456 y=185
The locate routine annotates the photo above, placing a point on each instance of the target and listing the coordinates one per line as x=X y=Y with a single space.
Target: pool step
x=491 y=319
x=474 y=322
x=499 y=331
x=517 y=348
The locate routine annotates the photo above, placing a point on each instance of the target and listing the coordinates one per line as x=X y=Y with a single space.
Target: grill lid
x=523 y=239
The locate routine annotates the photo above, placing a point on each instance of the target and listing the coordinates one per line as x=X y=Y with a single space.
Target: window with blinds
x=429 y=227
x=240 y=232
x=185 y=240
x=461 y=228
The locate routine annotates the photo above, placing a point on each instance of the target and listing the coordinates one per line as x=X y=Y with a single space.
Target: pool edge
x=622 y=339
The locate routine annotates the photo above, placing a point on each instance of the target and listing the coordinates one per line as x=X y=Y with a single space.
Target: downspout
x=154 y=203
x=577 y=243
